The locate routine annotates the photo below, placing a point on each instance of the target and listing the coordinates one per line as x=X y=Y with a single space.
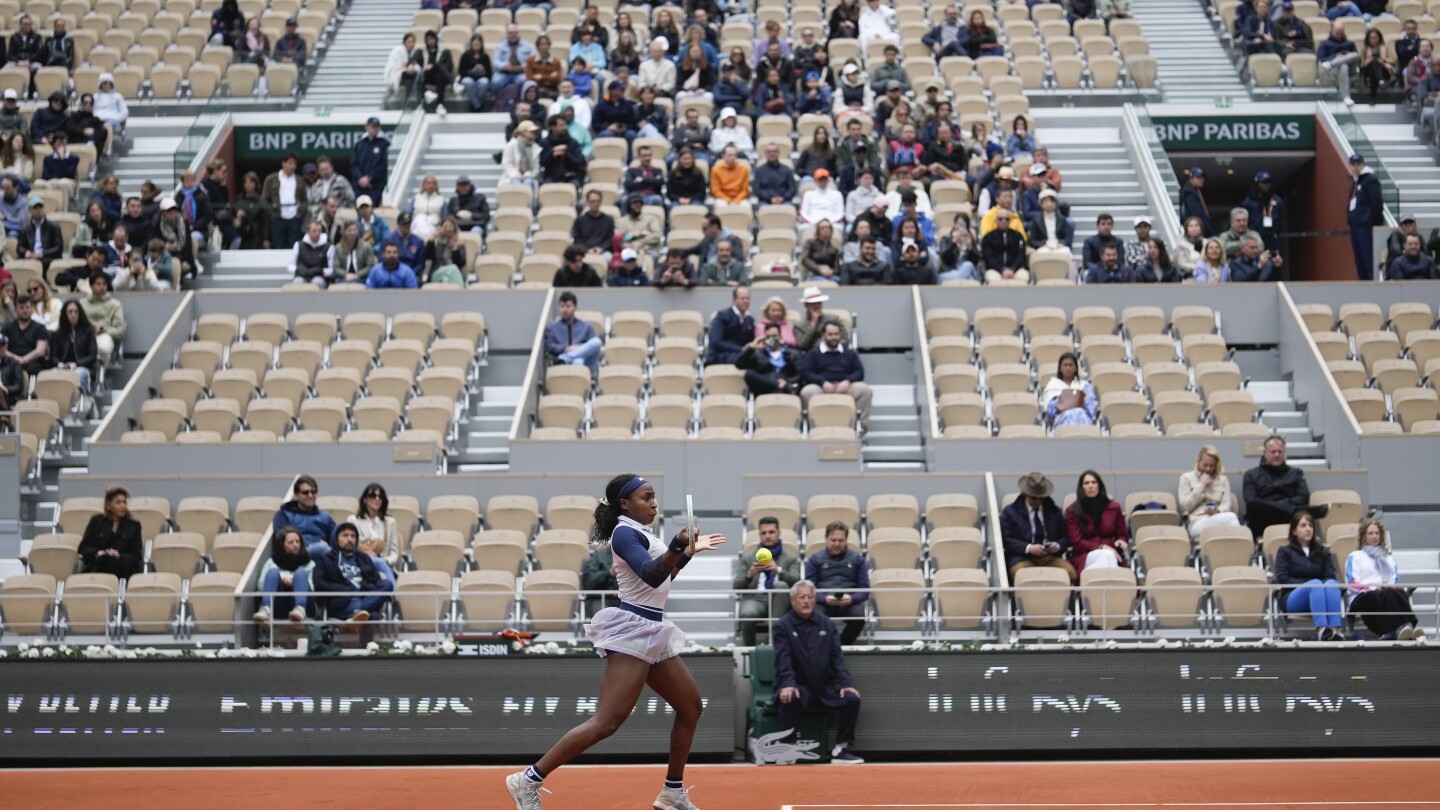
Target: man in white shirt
x=824 y=201
x=905 y=181
x=283 y=193
x=658 y=71
x=877 y=22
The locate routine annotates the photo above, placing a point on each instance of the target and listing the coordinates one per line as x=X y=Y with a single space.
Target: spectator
x=138 y=276
x=47 y=307
x=1377 y=63
x=1239 y=228
x=372 y=229
x=400 y=69
x=574 y=271
x=377 y=532
x=328 y=184
x=729 y=133
x=815 y=96
x=597 y=574
x=594 y=230
x=1412 y=265
x=217 y=192
x=313 y=523
x=1109 y=270
x=808 y=331
x=688 y=184
x=1258 y=35
x=40 y=239
x=1032 y=529
x=12 y=123
x=1068 y=399
x=1337 y=55
x=1095 y=526
x=150 y=200
x=914 y=267
x=290 y=48
x=645 y=181
x=867 y=269
x=1192 y=200
x=770 y=366
x=1416 y=72
x=978 y=39
x=941 y=39
x=1118 y=9
x=158 y=261
x=725 y=269
x=1191 y=247
x=888 y=71
x=1366 y=210
x=17 y=160
x=340 y=567
x=85 y=127
x=287 y=570
x=731 y=329
x=248 y=213
x=12 y=205
x=854 y=97
x=391 y=273
x=542 y=67
x=254 y=48
x=138 y=228
x=1407 y=45
x=27 y=47
x=370 y=164
x=659 y=72
x=823 y=202
x=175 y=232
x=1252 y=264
x=1003 y=251
x=640 y=231
x=675 y=271
x=845 y=20
x=831 y=367
x=1274 y=491
x=910 y=212
x=91 y=231
x=106 y=315
x=444 y=257
x=714 y=232
x=468 y=207
x=29 y=340
x=820 y=154
x=352 y=257
x=282 y=194
x=571 y=341
x=71 y=278
x=1050 y=228
x=629 y=272
x=1292 y=34
x=856 y=155
x=1004 y=181
x=194 y=205
x=520 y=162
x=958 y=252
x=843 y=574
x=614 y=115
x=730 y=179
x=562 y=159
x=312 y=258
x=774 y=182
x=60 y=164
x=112 y=543
x=1020 y=145
x=810 y=668
x=1205 y=497
x=776 y=313
x=476 y=72
x=1308 y=568
x=1266 y=209
x=410 y=246
x=427 y=206
x=12 y=375
x=1375 y=595
x=819 y=257
x=60 y=48
x=1156 y=266
x=1395 y=244
x=1137 y=250
x=588 y=49
x=692 y=133
x=756 y=610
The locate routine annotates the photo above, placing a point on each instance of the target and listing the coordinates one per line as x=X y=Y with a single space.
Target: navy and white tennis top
x=643 y=577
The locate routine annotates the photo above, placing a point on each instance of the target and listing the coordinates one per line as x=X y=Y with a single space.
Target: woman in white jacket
x=730 y=132
x=427 y=207
x=109 y=104
x=1205 y=494
x=379 y=535
x=398 y=68
x=520 y=162
x=1375 y=595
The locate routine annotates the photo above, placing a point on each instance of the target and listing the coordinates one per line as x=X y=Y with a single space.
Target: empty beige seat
x=1222 y=546
x=25 y=601
x=179 y=553
x=91 y=602
x=892 y=511
x=822 y=510
x=1176 y=593
x=550 y=596
x=1162 y=546
x=573 y=512
x=423 y=597
x=784 y=508
x=1109 y=596
x=165 y=416
x=212 y=598
x=437 y=550
x=1044 y=596
x=1361 y=317
x=255 y=513
x=561 y=549
x=517 y=512
x=486 y=597
x=1345 y=505
x=1240 y=592
x=501 y=549
x=893 y=547
x=900 y=594
x=153 y=601
x=232 y=551
x=960 y=595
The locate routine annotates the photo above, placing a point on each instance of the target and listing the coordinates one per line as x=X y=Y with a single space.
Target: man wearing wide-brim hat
x=1032 y=529
x=807 y=332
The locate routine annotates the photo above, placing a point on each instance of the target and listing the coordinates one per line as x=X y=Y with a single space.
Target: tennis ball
x=763 y=556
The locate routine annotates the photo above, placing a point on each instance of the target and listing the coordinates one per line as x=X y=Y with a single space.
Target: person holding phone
x=1032 y=529
x=1205 y=496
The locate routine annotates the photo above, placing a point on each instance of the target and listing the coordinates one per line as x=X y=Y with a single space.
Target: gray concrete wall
x=983 y=455
x=161 y=323
x=10 y=476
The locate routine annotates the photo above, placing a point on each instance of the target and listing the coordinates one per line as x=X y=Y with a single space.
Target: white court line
x=1118 y=804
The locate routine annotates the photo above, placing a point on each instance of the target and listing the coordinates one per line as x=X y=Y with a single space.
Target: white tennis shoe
x=525 y=793
x=672 y=799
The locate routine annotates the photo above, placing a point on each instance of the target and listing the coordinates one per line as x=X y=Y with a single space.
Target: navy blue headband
x=632 y=485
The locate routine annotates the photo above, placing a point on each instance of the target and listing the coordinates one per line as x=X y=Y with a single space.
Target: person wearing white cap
x=658 y=71
x=730 y=132
x=629 y=273
x=1049 y=226
x=520 y=161
x=11 y=119
x=1137 y=250
x=854 y=96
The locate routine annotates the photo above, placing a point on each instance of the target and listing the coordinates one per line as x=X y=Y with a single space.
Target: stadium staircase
x=1410 y=161
x=1087 y=146
x=707 y=619
x=352 y=74
x=452 y=145
x=151 y=144
x=1193 y=64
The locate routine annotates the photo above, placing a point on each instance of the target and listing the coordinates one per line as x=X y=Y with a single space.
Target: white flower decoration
x=372 y=647
x=552 y=647
x=448 y=647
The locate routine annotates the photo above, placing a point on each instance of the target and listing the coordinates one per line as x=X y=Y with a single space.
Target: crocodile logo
x=769 y=750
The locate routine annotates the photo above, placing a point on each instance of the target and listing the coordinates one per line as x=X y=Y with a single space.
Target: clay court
x=1271 y=785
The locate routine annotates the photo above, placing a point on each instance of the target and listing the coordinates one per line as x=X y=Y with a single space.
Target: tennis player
x=639 y=646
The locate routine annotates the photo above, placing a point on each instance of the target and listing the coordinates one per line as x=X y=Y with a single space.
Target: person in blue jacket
x=1192 y=201
x=1365 y=210
x=391 y=273
x=1267 y=211
x=1413 y=265
x=370 y=164
x=409 y=244
x=842 y=573
x=314 y=523
x=810 y=670
x=340 y=566
x=1307 y=570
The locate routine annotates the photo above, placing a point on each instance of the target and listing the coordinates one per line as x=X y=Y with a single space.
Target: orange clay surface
x=1267 y=785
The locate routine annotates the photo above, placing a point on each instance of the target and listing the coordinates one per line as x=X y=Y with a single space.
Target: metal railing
x=1341 y=121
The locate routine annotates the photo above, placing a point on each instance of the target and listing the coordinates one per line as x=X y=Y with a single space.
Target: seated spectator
x=520 y=161
x=1421 y=67
x=818 y=256
x=693 y=133
x=1191 y=247
x=1412 y=265
x=1258 y=35
x=1377 y=63
x=1156 y=267
x=194 y=205
x=1292 y=34
x=253 y=47
x=844 y=576
x=614 y=115
x=850 y=251
x=341 y=567
x=820 y=154
x=327 y=185
x=867 y=269
x=1307 y=567
x=445 y=260
x=50 y=119
x=1004 y=180
x=725 y=270
x=774 y=181
x=810 y=668
x=112 y=543
x=312 y=258
x=39 y=238
x=469 y=208
x=106 y=315
x=574 y=272
x=1375 y=594
x=1274 y=491
x=542 y=67
x=352 y=257
x=914 y=266
x=1118 y=9
x=175 y=232
x=1032 y=529
x=730 y=178
x=924 y=228
x=138 y=277
x=732 y=88
x=772 y=94
x=731 y=329
x=1068 y=399
x=1212 y=267
x=688 y=181
x=1049 y=228
x=1109 y=270
x=770 y=366
x=776 y=313
x=729 y=133
x=571 y=341
x=28 y=338
x=776 y=577
x=562 y=159
x=940 y=38
x=476 y=72
x=12 y=123
x=658 y=72
x=1081 y=10
x=1337 y=55
x=675 y=271
x=287 y=570
x=72 y=278
x=1020 y=144
x=1205 y=496
x=410 y=246
x=645 y=180
x=832 y=367
x=1095 y=525
x=427 y=207
x=314 y=524
x=1137 y=250
x=60 y=48
x=713 y=233
x=12 y=375
x=378 y=533
x=1003 y=251
x=1104 y=224
x=1407 y=45
x=1251 y=264
x=85 y=127
x=290 y=48
x=12 y=205
x=226 y=24
x=958 y=252
x=47 y=307
x=857 y=155
x=629 y=272
x=823 y=201
x=815 y=97
x=391 y=273
x=594 y=230
x=978 y=39
x=158 y=261
x=91 y=232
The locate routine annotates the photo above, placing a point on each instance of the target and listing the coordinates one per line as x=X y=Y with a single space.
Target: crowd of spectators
x=39 y=331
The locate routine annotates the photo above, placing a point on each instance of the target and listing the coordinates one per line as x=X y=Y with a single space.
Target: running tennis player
x=640 y=647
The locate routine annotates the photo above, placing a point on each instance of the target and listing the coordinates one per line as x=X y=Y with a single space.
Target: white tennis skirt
x=616 y=630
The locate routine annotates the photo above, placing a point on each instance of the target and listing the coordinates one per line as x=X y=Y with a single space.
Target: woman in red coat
x=1096 y=524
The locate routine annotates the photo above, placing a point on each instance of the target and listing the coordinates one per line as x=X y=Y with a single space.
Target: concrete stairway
x=458 y=144
x=707 y=619
x=1097 y=171
x=150 y=154
x=352 y=74
x=484 y=435
x=1410 y=162
x=1192 y=60
x=247 y=270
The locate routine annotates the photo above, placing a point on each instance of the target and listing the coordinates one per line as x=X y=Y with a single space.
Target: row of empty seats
x=1383 y=362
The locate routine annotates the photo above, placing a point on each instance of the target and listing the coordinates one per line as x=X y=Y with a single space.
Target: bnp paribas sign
x=1236 y=133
